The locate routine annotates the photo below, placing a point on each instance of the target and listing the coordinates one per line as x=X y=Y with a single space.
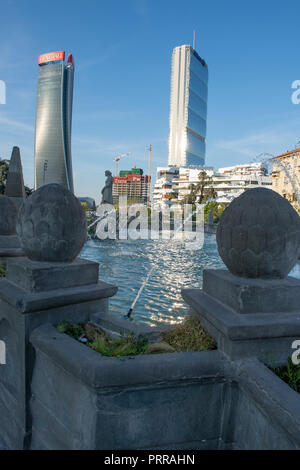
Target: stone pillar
x=10 y=203
x=14 y=188
x=253 y=308
x=49 y=286
x=9 y=242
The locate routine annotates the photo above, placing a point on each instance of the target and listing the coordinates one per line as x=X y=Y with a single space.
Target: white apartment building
x=173 y=184
x=230 y=182
x=187 y=177
x=163 y=190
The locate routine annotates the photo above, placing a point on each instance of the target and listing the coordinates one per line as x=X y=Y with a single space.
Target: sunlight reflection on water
x=126 y=264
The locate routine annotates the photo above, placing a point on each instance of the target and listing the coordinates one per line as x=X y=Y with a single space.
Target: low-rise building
x=164 y=191
x=133 y=184
x=230 y=182
x=187 y=177
x=173 y=184
x=286 y=176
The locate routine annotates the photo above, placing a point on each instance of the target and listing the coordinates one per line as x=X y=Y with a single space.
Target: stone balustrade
x=55 y=393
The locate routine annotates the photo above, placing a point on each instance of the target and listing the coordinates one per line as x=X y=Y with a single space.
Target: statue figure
x=107 y=190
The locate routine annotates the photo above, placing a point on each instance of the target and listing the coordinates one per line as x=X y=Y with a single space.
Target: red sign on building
x=51 y=56
x=71 y=60
x=125 y=179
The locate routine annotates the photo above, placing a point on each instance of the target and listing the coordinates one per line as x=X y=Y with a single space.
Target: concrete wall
x=81 y=400
x=12 y=380
x=267 y=414
x=201 y=400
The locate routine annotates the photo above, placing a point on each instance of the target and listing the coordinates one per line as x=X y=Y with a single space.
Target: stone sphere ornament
x=8 y=216
x=52 y=225
x=258 y=235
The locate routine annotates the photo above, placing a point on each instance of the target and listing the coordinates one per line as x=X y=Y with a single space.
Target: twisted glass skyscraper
x=188 y=108
x=53 y=159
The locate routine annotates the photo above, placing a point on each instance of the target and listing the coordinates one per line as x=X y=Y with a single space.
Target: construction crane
x=118 y=158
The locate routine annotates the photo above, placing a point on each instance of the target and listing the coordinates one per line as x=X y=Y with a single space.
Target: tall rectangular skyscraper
x=52 y=156
x=188 y=108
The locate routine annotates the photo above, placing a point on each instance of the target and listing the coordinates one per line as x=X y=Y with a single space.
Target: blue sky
x=122 y=51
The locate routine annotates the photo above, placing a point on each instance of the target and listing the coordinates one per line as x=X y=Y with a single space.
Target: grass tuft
x=189 y=336
x=102 y=343
x=71 y=329
x=125 y=346
x=289 y=373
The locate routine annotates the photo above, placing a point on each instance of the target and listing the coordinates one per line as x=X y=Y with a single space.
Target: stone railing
x=55 y=393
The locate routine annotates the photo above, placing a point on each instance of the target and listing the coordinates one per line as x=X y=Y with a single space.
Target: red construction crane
x=116 y=159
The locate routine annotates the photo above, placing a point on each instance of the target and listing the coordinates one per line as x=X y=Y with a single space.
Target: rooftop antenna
x=194 y=40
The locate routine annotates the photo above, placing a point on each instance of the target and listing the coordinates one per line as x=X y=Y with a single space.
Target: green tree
x=202 y=191
x=217 y=210
x=4 y=165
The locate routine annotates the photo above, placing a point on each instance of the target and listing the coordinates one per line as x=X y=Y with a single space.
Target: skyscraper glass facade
x=53 y=159
x=188 y=108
